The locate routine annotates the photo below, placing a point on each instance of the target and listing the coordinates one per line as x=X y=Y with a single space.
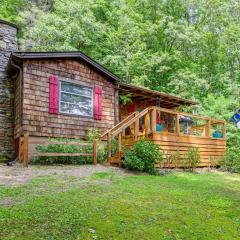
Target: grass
x=108 y=206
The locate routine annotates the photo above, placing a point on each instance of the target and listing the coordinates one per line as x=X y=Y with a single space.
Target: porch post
x=109 y=146
x=154 y=120
x=136 y=129
x=177 y=124
x=95 y=151
x=208 y=129
x=224 y=130
x=25 y=149
x=119 y=144
x=146 y=123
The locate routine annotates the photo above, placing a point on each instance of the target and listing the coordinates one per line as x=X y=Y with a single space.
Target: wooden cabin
x=63 y=94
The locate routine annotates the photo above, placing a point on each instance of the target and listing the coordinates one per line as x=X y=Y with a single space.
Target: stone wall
x=7 y=45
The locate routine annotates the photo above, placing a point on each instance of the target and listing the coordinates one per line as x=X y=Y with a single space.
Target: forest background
x=184 y=47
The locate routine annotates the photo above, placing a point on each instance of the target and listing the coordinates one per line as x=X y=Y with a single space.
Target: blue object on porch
x=236 y=118
x=160 y=127
x=217 y=134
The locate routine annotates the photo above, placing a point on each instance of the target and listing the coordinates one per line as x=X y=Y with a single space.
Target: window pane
x=83 y=108
x=73 y=88
x=72 y=103
x=67 y=97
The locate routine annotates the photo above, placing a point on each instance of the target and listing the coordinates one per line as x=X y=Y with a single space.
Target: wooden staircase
x=116 y=159
x=119 y=131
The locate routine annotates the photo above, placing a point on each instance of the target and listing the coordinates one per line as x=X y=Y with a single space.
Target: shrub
x=231 y=162
x=92 y=134
x=142 y=156
x=63 y=148
x=172 y=159
x=192 y=158
x=4 y=158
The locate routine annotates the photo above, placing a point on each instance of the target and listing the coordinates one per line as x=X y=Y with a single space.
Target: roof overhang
x=143 y=94
x=19 y=57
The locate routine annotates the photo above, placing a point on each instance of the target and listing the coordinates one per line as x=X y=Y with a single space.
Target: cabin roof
x=142 y=94
x=65 y=55
x=139 y=93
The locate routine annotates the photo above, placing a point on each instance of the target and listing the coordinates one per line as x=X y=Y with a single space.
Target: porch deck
x=175 y=132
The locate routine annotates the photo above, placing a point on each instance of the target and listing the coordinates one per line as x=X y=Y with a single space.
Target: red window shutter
x=53 y=94
x=131 y=107
x=158 y=119
x=97 y=103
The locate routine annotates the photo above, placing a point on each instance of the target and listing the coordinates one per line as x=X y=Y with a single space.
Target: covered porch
x=153 y=115
x=176 y=133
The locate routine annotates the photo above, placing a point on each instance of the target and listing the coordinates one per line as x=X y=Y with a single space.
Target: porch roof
x=144 y=94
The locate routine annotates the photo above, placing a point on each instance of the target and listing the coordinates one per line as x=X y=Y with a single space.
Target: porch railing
x=24 y=150
x=153 y=119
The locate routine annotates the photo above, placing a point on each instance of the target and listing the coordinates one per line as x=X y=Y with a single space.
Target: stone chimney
x=8 y=44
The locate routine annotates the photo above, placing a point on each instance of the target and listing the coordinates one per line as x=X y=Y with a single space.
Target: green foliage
x=4 y=157
x=192 y=158
x=102 y=152
x=125 y=99
x=172 y=159
x=9 y=9
x=188 y=48
x=63 y=148
x=92 y=134
x=231 y=162
x=142 y=156
x=109 y=205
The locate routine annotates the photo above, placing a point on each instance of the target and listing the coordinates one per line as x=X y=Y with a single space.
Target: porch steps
x=116 y=159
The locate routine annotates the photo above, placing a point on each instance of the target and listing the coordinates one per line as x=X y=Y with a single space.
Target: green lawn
x=108 y=206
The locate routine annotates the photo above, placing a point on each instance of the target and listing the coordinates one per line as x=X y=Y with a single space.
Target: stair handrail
x=119 y=124
x=131 y=121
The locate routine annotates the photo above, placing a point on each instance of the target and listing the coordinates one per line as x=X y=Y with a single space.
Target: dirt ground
x=12 y=175
x=16 y=174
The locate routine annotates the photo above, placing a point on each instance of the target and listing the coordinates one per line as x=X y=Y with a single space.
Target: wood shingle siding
x=36 y=118
x=17 y=108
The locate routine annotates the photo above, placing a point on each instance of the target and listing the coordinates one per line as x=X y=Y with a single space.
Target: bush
x=231 y=162
x=172 y=159
x=92 y=134
x=63 y=148
x=4 y=158
x=142 y=156
x=192 y=158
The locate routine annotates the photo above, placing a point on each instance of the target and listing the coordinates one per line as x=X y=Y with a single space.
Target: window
x=76 y=99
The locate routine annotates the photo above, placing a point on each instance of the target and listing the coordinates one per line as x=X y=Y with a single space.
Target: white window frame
x=80 y=85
